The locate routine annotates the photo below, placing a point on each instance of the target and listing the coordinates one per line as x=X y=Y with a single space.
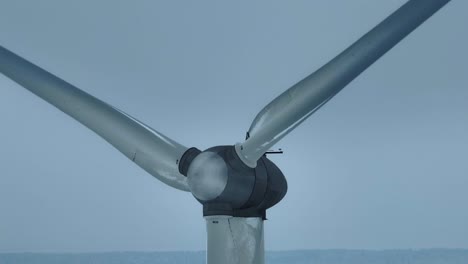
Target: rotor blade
x=233 y=240
x=151 y=150
x=297 y=103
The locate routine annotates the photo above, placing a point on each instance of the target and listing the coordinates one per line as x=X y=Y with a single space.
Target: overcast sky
x=382 y=165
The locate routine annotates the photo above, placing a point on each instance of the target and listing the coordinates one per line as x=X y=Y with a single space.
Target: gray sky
x=382 y=165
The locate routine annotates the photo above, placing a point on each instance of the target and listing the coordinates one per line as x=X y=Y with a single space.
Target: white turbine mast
x=235 y=183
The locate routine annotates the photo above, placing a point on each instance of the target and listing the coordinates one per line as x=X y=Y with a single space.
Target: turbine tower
x=236 y=183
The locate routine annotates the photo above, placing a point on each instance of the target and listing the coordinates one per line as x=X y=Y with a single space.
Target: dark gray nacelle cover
x=226 y=186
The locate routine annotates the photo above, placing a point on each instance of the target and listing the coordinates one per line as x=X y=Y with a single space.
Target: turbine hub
x=207 y=176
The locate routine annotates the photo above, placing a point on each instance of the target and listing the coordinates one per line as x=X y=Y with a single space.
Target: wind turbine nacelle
x=220 y=180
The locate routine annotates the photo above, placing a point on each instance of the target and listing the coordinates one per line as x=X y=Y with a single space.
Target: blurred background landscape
x=333 y=256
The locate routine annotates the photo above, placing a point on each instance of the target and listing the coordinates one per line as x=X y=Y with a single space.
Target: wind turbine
x=236 y=183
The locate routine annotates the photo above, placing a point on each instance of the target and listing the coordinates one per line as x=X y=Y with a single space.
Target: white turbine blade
x=234 y=240
x=297 y=103
x=151 y=150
